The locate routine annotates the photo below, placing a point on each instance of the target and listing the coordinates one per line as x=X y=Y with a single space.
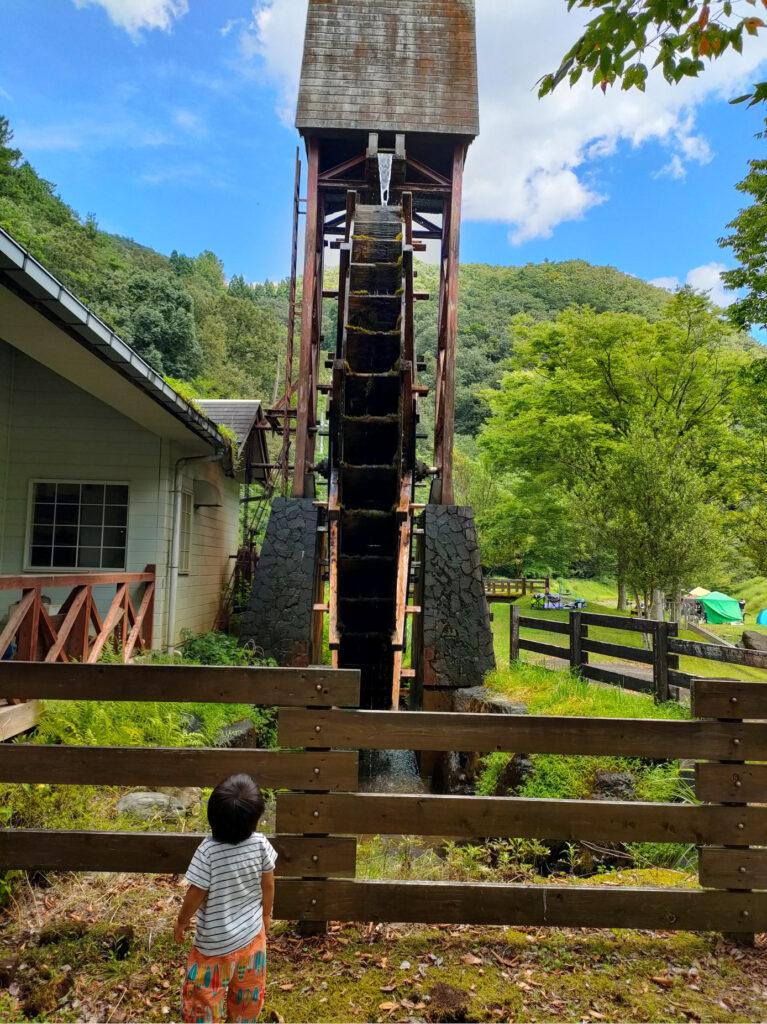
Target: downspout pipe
x=175 y=543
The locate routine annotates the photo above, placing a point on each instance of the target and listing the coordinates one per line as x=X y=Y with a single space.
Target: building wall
x=50 y=429
x=6 y=383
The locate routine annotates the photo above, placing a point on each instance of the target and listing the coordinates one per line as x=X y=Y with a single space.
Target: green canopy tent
x=721 y=608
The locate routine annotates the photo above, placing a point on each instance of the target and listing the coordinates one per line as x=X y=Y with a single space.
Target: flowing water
x=384 y=175
x=390 y=771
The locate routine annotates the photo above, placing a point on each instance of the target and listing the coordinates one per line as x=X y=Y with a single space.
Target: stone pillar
x=278 y=618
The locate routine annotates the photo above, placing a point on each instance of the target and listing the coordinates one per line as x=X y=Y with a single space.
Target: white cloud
x=98 y=134
x=5 y=95
x=137 y=15
x=189 y=122
x=532 y=166
x=231 y=23
x=675 y=168
x=706 y=278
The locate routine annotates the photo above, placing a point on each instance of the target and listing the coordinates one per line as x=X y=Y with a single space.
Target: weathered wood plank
x=539 y=647
x=284 y=687
x=188 y=766
x=17 y=718
x=471 y=817
x=713 y=652
x=545 y=625
x=554 y=906
x=728 y=698
x=733 y=869
x=638 y=654
x=731 y=783
x=423 y=730
x=618 y=622
x=617 y=677
x=155 y=852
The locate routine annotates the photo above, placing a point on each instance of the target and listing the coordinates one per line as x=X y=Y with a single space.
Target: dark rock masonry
x=279 y=614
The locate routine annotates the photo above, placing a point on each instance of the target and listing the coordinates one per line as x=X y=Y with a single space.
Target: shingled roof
x=396 y=65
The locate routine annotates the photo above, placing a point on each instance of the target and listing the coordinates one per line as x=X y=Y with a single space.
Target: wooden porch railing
x=77 y=632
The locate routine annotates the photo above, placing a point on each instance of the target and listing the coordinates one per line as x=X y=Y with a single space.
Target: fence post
x=577 y=655
x=660 y=661
x=743 y=938
x=513 y=633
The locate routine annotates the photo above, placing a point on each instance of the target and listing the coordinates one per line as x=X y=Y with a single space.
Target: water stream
x=384 y=175
x=390 y=771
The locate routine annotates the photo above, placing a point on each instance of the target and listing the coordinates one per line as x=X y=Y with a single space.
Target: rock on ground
x=145 y=805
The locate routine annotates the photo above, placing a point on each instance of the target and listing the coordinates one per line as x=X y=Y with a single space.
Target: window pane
x=114 y=537
x=41 y=557
x=90 y=536
x=44 y=513
x=113 y=558
x=68 y=494
x=66 y=536
x=116 y=494
x=67 y=514
x=42 y=535
x=64 y=558
x=91 y=515
x=116 y=515
x=89 y=558
x=93 y=494
x=45 y=492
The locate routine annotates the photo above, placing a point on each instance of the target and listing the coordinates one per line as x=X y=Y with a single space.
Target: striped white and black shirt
x=232 y=915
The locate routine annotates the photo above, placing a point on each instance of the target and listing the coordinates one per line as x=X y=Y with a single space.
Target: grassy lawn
x=367 y=972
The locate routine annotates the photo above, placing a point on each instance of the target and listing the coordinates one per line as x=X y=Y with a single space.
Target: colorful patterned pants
x=225 y=988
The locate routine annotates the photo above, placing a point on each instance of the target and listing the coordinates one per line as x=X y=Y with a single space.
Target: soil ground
x=365 y=972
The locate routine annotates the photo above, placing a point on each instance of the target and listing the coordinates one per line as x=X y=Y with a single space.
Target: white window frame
x=186 y=533
x=69 y=569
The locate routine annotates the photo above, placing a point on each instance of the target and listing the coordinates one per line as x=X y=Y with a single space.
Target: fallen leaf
x=388 y=988
x=405 y=965
x=388 y=1006
x=664 y=982
x=286 y=986
x=504 y=961
x=471 y=960
x=327 y=957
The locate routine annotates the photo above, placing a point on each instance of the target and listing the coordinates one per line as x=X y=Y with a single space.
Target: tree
x=160 y=325
x=582 y=388
x=676 y=35
x=749 y=244
x=652 y=502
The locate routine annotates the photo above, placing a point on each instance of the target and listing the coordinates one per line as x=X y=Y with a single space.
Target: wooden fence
x=320 y=731
x=76 y=630
x=666 y=682
x=501 y=591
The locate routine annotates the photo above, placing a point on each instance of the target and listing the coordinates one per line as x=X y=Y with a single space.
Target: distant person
x=231 y=890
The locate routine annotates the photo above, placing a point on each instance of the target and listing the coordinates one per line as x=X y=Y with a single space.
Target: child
x=231 y=889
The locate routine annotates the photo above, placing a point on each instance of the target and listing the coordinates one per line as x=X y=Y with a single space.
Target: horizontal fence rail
x=162 y=852
x=522 y=905
x=430 y=730
x=279 y=687
x=472 y=817
x=728 y=698
x=185 y=766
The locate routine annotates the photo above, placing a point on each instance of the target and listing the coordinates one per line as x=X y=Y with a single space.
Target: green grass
x=754 y=592
x=558 y=693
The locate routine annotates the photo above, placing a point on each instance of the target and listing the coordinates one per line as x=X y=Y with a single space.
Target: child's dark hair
x=234 y=808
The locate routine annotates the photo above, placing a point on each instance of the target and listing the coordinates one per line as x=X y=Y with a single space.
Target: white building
x=104 y=471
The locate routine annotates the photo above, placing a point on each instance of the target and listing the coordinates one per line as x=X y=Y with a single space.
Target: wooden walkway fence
x=666 y=681
x=319 y=819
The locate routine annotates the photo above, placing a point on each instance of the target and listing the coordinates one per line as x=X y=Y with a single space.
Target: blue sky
x=170 y=120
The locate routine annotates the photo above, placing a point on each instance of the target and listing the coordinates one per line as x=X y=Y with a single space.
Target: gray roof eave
x=47 y=293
